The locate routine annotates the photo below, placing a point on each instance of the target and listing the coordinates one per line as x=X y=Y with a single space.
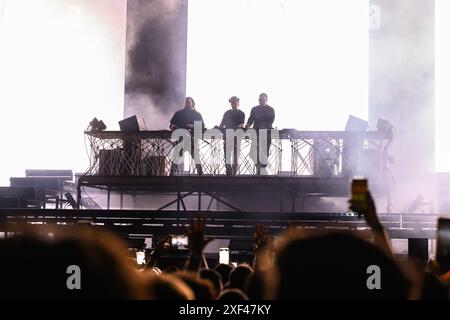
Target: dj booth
x=294 y=153
x=299 y=163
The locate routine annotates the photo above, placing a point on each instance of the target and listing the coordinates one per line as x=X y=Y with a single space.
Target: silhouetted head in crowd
x=336 y=266
x=203 y=289
x=233 y=294
x=214 y=278
x=167 y=287
x=171 y=269
x=79 y=264
x=434 y=288
x=224 y=271
x=256 y=286
x=239 y=277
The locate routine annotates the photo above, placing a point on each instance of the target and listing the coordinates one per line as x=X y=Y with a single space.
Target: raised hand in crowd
x=370 y=215
x=263 y=244
x=157 y=252
x=197 y=243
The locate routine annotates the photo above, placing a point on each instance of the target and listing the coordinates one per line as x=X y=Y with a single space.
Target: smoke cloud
x=156 y=59
x=402 y=80
x=402 y=59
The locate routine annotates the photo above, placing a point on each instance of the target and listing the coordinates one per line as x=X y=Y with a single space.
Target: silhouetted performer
x=232 y=119
x=184 y=119
x=262 y=117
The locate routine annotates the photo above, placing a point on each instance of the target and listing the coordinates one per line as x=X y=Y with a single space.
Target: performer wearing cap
x=232 y=119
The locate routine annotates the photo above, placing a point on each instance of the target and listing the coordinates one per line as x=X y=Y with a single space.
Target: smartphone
x=179 y=242
x=358 y=202
x=224 y=256
x=140 y=257
x=443 y=244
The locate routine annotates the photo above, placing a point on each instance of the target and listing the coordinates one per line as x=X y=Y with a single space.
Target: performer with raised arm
x=232 y=119
x=262 y=117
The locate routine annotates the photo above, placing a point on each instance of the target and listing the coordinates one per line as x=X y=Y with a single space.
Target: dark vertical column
x=402 y=79
x=155 y=84
x=184 y=15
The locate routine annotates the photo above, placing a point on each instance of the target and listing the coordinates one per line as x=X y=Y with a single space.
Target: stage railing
x=293 y=153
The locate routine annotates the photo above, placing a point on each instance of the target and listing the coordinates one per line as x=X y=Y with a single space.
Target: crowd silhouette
x=302 y=264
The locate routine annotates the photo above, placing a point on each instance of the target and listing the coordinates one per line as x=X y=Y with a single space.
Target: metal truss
x=150 y=153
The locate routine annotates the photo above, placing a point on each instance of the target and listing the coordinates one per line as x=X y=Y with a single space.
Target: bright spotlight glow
x=442 y=99
x=310 y=56
x=62 y=64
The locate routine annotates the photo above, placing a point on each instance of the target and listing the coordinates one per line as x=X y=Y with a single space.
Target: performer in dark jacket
x=262 y=117
x=232 y=119
x=185 y=119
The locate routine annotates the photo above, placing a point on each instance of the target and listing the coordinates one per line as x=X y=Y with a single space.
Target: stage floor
x=334 y=186
x=219 y=187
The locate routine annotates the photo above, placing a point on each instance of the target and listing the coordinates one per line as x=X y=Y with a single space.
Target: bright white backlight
x=310 y=56
x=62 y=64
x=442 y=81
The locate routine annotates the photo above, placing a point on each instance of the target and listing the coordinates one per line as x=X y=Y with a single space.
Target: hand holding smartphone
x=358 y=201
x=179 y=242
x=443 y=244
x=224 y=256
x=140 y=257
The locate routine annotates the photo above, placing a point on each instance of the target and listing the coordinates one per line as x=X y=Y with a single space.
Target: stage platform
x=300 y=164
x=219 y=187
